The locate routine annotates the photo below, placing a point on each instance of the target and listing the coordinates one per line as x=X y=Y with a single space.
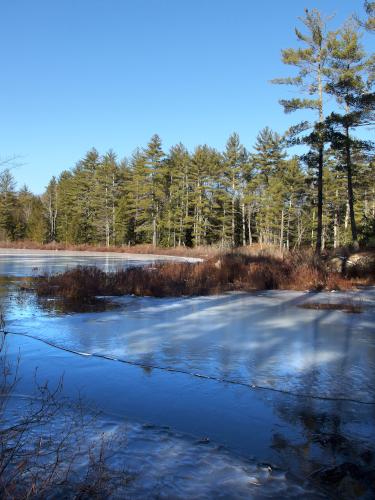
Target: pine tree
x=336 y=207
x=294 y=203
x=266 y=163
x=369 y=23
x=25 y=202
x=235 y=158
x=37 y=228
x=311 y=63
x=349 y=66
x=50 y=203
x=105 y=196
x=124 y=218
x=140 y=201
x=206 y=210
x=66 y=222
x=7 y=205
x=155 y=165
x=177 y=217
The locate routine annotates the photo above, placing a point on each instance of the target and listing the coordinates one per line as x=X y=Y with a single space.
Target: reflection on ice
x=178 y=468
x=161 y=463
x=303 y=435
x=258 y=339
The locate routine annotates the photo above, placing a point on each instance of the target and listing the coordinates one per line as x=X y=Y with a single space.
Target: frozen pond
x=263 y=379
x=22 y=263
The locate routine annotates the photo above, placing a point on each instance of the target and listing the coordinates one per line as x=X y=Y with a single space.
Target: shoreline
x=4 y=252
x=144 y=249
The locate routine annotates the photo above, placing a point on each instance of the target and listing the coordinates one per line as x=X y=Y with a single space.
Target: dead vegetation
x=46 y=448
x=343 y=306
x=344 y=260
x=229 y=272
x=178 y=251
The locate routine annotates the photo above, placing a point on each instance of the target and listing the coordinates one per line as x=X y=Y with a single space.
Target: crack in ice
x=192 y=374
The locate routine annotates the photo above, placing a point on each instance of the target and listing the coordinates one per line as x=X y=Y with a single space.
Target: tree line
x=324 y=197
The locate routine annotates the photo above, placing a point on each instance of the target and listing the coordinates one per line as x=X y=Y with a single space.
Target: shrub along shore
x=228 y=272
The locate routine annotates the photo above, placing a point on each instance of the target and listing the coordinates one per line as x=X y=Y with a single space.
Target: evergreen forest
x=311 y=185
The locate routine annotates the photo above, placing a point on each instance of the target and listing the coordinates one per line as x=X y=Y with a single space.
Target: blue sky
x=77 y=74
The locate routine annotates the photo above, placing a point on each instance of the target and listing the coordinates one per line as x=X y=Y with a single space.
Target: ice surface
x=17 y=262
x=295 y=434
x=261 y=339
x=162 y=463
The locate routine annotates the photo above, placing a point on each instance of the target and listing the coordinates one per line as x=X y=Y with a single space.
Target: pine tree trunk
x=113 y=211
x=243 y=225
x=223 y=229
x=107 y=229
x=319 y=230
x=107 y=234
x=350 y=188
x=233 y=213
x=249 y=225
x=154 y=240
x=346 y=220
x=180 y=228
x=54 y=220
x=335 y=229
x=282 y=229
x=169 y=228
x=288 y=225
x=233 y=222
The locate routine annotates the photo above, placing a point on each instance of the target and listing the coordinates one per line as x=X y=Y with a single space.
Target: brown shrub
x=80 y=283
x=343 y=306
x=229 y=272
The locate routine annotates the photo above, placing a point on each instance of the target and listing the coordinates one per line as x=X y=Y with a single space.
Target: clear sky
x=77 y=74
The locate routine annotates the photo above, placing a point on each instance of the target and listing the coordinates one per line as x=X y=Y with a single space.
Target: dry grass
x=346 y=307
x=202 y=251
x=229 y=272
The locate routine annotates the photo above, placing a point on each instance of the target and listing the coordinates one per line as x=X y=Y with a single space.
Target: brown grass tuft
x=346 y=307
